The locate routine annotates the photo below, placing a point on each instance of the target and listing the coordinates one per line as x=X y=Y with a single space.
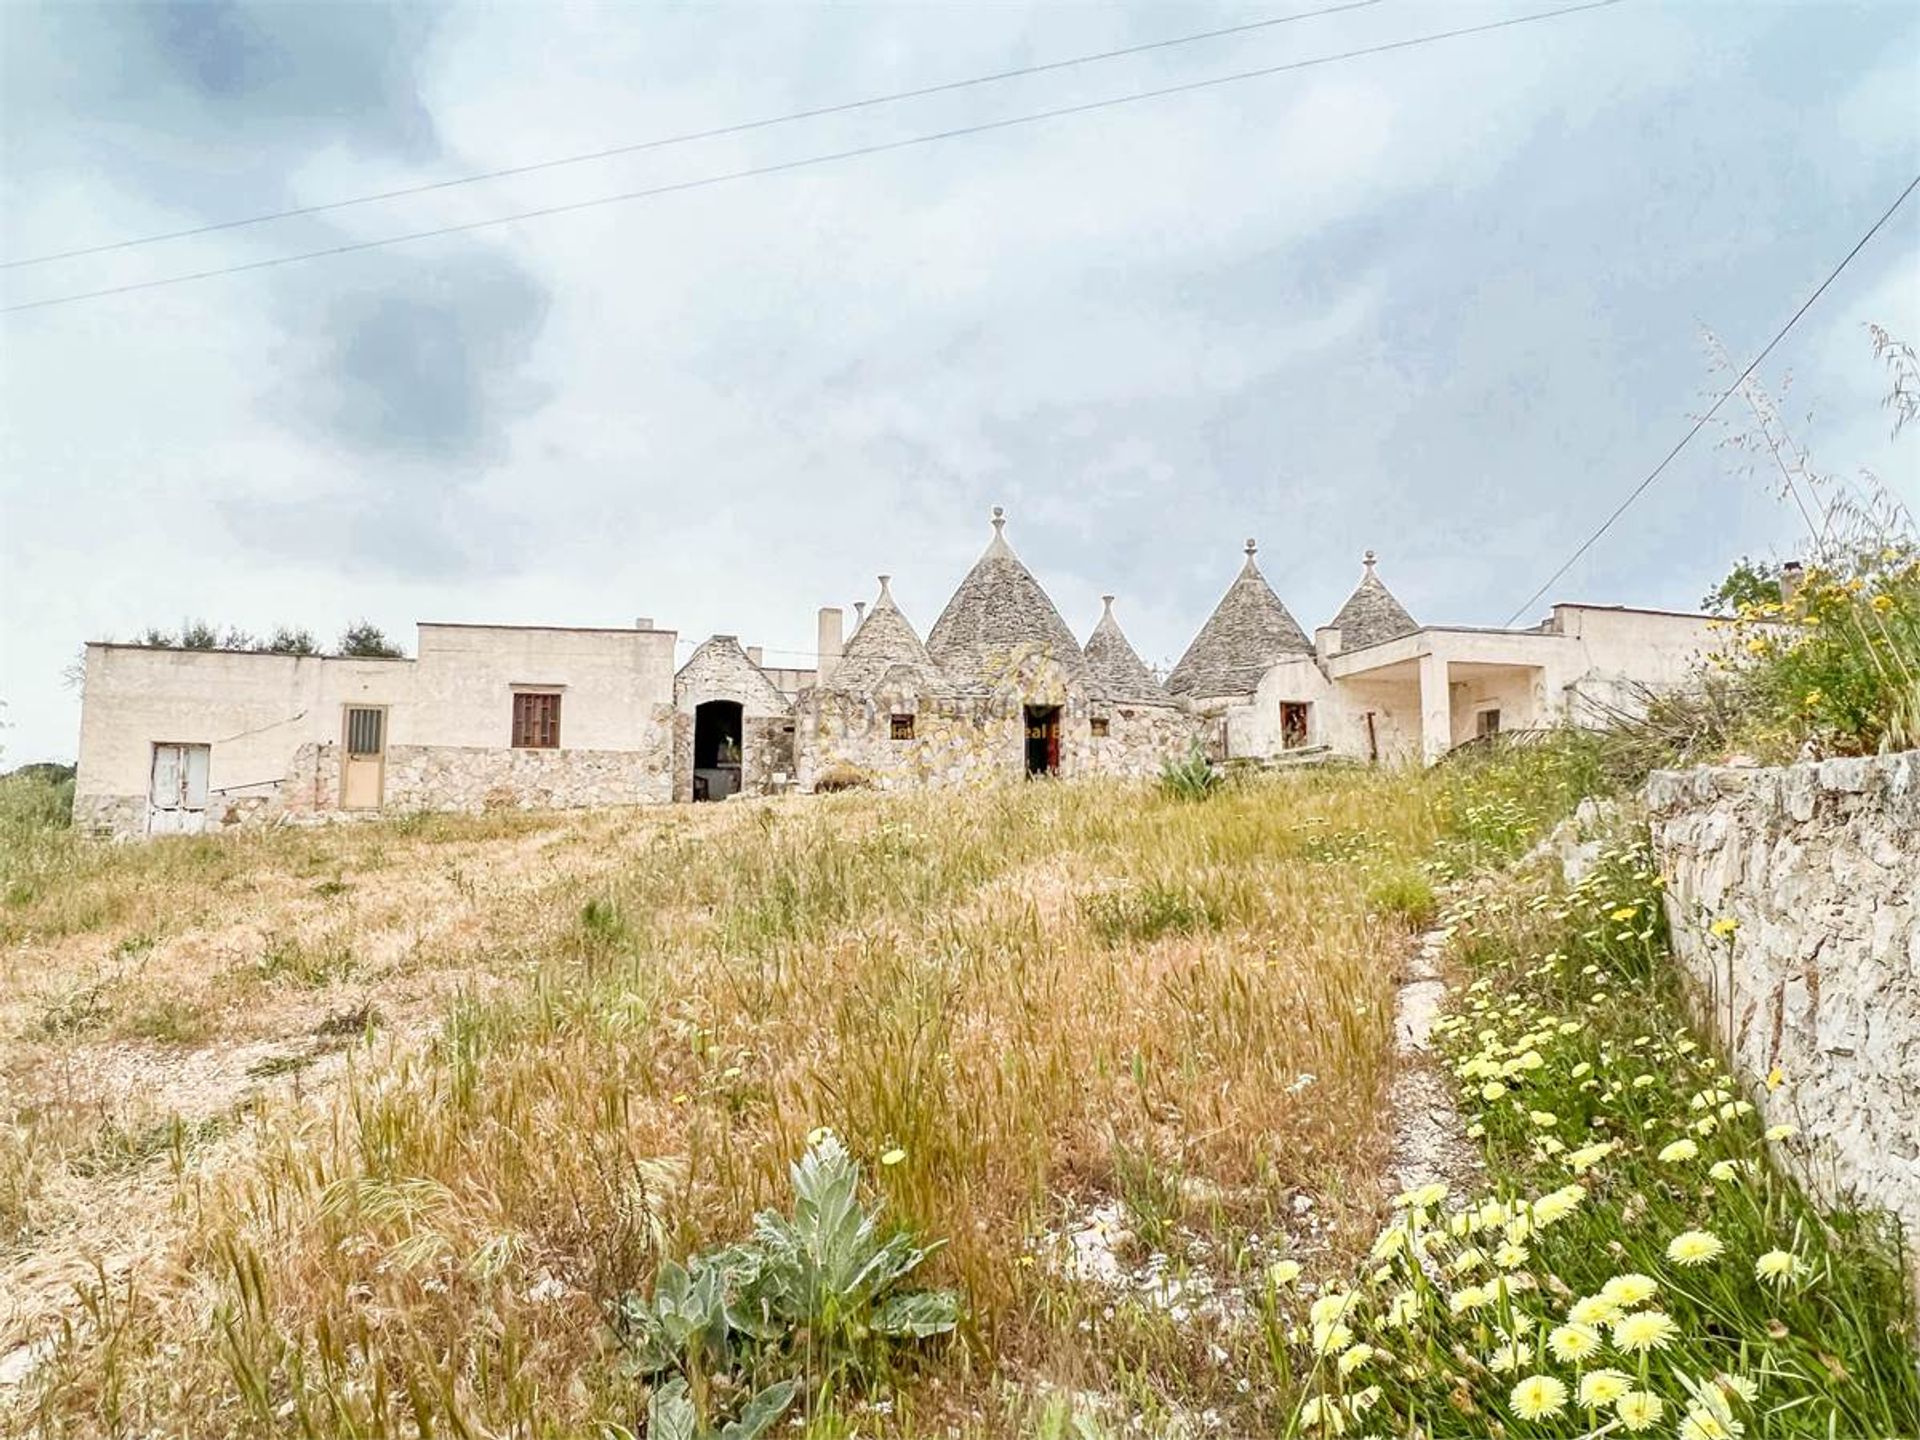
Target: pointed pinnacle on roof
x=1367 y=560
x=1251 y=547
x=886 y=595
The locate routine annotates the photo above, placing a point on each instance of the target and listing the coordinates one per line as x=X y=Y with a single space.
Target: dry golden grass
x=503 y=1066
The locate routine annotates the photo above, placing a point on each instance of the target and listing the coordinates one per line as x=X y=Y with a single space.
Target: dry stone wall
x=1820 y=865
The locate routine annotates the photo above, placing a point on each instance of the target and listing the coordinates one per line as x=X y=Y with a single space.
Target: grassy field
x=467 y=1127
x=361 y=1130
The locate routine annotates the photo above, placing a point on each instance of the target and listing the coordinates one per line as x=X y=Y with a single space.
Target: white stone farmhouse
x=512 y=716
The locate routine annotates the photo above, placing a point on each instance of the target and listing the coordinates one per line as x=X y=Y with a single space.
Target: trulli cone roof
x=1371 y=614
x=724 y=651
x=1114 y=670
x=998 y=616
x=1248 y=631
x=885 y=644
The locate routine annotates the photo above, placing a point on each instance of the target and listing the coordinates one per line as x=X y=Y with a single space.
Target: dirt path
x=1429 y=1138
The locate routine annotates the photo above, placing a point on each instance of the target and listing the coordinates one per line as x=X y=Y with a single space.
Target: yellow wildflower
x=1881 y=604
x=1781 y=1132
x=1603 y=1387
x=1639 y=1410
x=1679 y=1150
x=1545 y=1119
x=1469 y=1297
x=1643 y=1331
x=893 y=1156
x=1573 y=1343
x=1351 y=1360
x=1323 y=1413
x=1694 y=1247
x=1538 y=1396
x=1593 y=1310
x=1284 y=1272
x=1629 y=1289
x=1724 y=926
x=1776 y=1077
x=1330 y=1338
x=1777 y=1266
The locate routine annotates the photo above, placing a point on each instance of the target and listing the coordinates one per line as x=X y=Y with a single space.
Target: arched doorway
x=718 y=749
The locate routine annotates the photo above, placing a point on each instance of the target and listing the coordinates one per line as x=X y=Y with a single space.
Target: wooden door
x=363 y=762
x=177 y=789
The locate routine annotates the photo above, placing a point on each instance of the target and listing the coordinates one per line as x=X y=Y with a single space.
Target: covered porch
x=1440 y=689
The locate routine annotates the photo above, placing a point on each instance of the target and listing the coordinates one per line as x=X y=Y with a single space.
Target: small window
x=1488 y=723
x=536 y=720
x=903 y=727
x=1293 y=724
x=365 y=725
x=1099 y=723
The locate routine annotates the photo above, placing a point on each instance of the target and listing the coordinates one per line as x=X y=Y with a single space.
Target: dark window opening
x=717 y=738
x=902 y=727
x=536 y=720
x=1043 y=739
x=1488 y=723
x=1293 y=724
x=1099 y=724
x=364 y=727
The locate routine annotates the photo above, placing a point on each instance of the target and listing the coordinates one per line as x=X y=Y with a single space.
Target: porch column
x=1436 y=709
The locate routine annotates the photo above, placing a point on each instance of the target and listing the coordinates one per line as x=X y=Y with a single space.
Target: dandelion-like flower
x=1679 y=1150
x=1545 y=1119
x=1725 y=926
x=1323 y=1413
x=1330 y=1337
x=1776 y=1267
x=1643 y=1331
x=1639 y=1410
x=1782 y=1132
x=1469 y=1297
x=1629 y=1289
x=893 y=1156
x=1593 y=1310
x=1694 y=1247
x=1352 y=1359
x=1510 y=1356
x=1510 y=1257
x=1703 y=1423
x=1284 y=1272
x=1329 y=1307
x=1538 y=1396
x=1492 y=1091
x=1603 y=1387
x=1572 y=1344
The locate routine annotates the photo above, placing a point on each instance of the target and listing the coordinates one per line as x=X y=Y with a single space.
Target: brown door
x=363 y=764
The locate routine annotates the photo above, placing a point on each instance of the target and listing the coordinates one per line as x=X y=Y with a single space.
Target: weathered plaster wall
x=260 y=714
x=1820 y=864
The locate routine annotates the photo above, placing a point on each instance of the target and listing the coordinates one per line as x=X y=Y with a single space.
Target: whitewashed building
x=510 y=716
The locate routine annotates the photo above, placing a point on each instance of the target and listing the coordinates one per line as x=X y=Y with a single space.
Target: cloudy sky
x=1447 y=302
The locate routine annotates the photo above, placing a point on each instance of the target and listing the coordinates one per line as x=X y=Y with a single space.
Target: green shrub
x=1837 y=662
x=1193 y=777
x=1144 y=913
x=818 y=1295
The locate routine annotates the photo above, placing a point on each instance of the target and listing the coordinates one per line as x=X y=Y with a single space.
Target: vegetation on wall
x=1638 y=1262
x=1824 y=656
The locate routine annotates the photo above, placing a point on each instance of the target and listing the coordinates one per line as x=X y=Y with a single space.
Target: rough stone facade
x=1820 y=865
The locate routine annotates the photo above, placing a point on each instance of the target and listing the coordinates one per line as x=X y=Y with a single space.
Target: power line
x=1725 y=395
x=740 y=128
x=805 y=162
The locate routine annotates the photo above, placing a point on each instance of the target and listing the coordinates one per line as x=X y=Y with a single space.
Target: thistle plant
x=818 y=1296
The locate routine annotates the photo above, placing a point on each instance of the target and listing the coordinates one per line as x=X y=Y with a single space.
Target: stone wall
x=1820 y=865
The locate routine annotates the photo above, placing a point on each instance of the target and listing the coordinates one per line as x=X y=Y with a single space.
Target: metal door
x=177 y=794
x=363 y=766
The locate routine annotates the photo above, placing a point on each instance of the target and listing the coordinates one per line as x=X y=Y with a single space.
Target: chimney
x=828 y=644
x=756 y=655
x=644 y=622
x=1791 y=578
x=1326 y=642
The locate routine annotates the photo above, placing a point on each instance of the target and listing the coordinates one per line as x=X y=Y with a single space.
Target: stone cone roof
x=1114 y=670
x=1000 y=614
x=1371 y=614
x=884 y=643
x=1248 y=631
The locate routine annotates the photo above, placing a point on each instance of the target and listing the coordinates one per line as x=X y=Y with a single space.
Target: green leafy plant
x=1191 y=777
x=818 y=1294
